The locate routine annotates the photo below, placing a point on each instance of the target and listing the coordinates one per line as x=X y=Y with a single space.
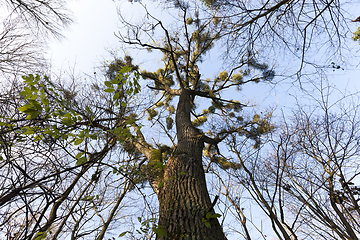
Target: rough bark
x=183 y=196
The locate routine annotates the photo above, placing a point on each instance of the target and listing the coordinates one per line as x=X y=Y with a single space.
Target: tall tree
x=178 y=178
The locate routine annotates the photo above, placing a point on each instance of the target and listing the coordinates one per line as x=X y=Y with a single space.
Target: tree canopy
x=175 y=153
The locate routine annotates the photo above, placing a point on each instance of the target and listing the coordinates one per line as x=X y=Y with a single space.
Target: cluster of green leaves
x=259 y=126
x=31 y=94
x=209 y=216
x=42 y=235
x=181 y=64
x=146 y=226
x=115 y=85
x=52 y=111
x=222 y=162
x=57 y=111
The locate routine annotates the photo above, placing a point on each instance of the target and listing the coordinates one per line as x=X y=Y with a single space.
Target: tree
x=74 y=164
x=307 y=182
x=245 y=27
x=297 y=28
x=185 y=207
x=24 y=31
x=62 y=119
x=53 y=149
x=318 y=152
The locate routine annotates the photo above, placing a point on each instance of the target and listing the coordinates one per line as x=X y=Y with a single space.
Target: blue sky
x=88 y=41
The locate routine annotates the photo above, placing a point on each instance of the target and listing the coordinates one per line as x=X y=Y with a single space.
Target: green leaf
x=123 y=233
x=36 y=104
x=28 y=130
x=79 y=155
x=116 y=80
x=29 y=80
x=82 y=134
x=207 y=224
x=33 y=97
x=32 y=115
x=129 y=91
x=88 y=198
x=28 y=90
x=45 y=101
x=116 y=96
x=34 y=89
x=67 y=121
x=93 y=136
x=118 y=130
x=130 y=121
x=109 y=90
x=25 y=94
x=37 y=79
x=108 y=84
x=208 y=215
x=38 y=137
x=27 y=108
x=215 y=215
x=160 y=232
x=64 y=114
x=81 y=161
x=78 y=141
x=40 y=236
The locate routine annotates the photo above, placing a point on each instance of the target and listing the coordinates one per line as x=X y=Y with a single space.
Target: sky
x=86 y=40
x=87 y=43
x=89 y=40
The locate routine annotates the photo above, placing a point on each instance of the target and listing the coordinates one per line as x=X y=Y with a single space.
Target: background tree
x=25 y=27
x=55 y=146
x=293 y=28
x=318 y=154
x=307 y=183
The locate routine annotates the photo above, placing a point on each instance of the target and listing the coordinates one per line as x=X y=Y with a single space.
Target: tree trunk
x=183 y=196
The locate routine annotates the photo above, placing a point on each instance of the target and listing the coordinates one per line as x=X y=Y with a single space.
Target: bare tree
x=308 y=184
x=25 y=27
x=295 y=29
